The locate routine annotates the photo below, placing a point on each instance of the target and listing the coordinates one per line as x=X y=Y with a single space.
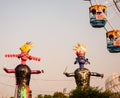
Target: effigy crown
x=26 y=47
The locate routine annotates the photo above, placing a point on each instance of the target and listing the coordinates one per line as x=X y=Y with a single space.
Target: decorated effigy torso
x=23 y=74
x=82 y=77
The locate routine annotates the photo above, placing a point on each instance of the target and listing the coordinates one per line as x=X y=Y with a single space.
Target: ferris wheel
x=102 y=14
x=113 y=83
x=117 y=4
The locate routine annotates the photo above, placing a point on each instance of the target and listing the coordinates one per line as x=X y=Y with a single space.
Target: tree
x=89 y=92
x=59 y=95
x=40 y=96
x=55 y=95
x=48 y=96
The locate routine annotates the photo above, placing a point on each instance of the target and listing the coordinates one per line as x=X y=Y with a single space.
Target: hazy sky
x=54 y=26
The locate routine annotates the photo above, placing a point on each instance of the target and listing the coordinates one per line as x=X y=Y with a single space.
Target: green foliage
x=55 y=95
x=59 y=95
x=89 y=92
x=48 y=96
x=40 y=96
x=44 y=96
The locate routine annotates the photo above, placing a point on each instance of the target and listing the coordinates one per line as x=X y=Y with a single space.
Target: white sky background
x=54 y=26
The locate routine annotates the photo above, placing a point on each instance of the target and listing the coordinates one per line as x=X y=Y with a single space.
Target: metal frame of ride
x=113 y=83
x=98 y=19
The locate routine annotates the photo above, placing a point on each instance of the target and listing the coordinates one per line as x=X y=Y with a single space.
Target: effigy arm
x=36 y=71
x=69 y=74
x=96 y=74
x=9 y=70
x=33 y=58
x=11 y=55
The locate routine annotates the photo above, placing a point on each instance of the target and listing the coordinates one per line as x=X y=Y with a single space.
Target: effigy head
x=80 y=49
x=82 y=77
x=26 y=47
x=23 y=74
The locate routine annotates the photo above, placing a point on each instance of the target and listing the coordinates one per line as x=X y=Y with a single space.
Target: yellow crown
x=26 y=47
x=80 y=46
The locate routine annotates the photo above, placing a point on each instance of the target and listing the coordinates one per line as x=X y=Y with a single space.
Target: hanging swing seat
x=113 y=41
x=97 y=16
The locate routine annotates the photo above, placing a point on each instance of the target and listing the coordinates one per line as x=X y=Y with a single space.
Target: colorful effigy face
x=80 y=49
